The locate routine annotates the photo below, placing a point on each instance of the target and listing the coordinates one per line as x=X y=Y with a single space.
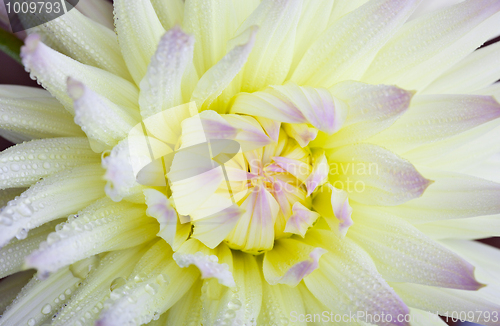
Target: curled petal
x=212 y=263
x=301 y=220
x=290 y=261
x=333 y=205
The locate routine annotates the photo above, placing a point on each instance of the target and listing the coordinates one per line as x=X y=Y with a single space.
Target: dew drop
x=46 y=309
x=117 y=282
x=31 y=322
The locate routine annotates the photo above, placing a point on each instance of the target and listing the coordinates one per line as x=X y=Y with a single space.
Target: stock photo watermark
x=25 y=14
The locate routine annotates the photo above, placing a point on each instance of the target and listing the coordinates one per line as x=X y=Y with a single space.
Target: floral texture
x=246 y=162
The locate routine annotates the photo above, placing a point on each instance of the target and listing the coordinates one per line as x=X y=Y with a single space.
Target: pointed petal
x=270 y=62
x=24 y=164
x=432 y=118
x=465 y=228
x=170 y=12
x=218 y=77
x=139 y=31
x=36 y=116
x=301 y=220
x=103 y=226
x=52 y=69
x=94 y=113
x=250 y=134
x=13 y=254
x=424 y=318
x=37 y=300
x=414 y=67
x=237 y=308
x=331 y=59
x=333 y=205
x=109 y=274
x=445 y=301
x=452 y=196
x=476 y=71
x=290 y=261
x=168 y=73
x=154 y=286
x=301 y=132
x=293 y=104
x=54 y=197
x=370 y=109
x=213 y=229
x=255 y=228
x=271 y=127
x=213 y=263
x=390 y=241
x=213 y=23
x=171 y=230
x=346 y=269
x=377 y=176
x=319 y=174
x=84 y=40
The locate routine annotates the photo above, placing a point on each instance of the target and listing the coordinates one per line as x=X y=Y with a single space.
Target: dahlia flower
x=246 y=162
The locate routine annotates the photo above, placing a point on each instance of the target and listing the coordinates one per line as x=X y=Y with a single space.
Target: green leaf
x=10 y=45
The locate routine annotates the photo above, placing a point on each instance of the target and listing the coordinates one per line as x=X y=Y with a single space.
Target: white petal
x=250 y=134
x=447 y=301
x=55 y=196
x=36 y=301
x=168 y=73
x=213 y=229
x=170 y=12
x=432 y=118
x=12 y=255
x=270 y=61
x=104 y=122
x=333 y=205
x=452 y=196
x=314 y=19
x=52 y=69
x=237 y=308
x=82 y=39
x=212 y=263
x=109 y=274
x=255 y=229
x=424 y=318
x=403 y=254
x=463 y=28
x=220 y=76
x=290 y=261
x=280 y=303
x=35 y=115
x=331 y=59
x=103 y=226
x=139 y=31
x=465 y=228
x=370 y=109
x=347 y=281
x=301 y=220
x=155 y=285
x=171 y=229
x=213 y=23
x=293 y=104
x=375 y=176
x=476 y=71
x=24 y=164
